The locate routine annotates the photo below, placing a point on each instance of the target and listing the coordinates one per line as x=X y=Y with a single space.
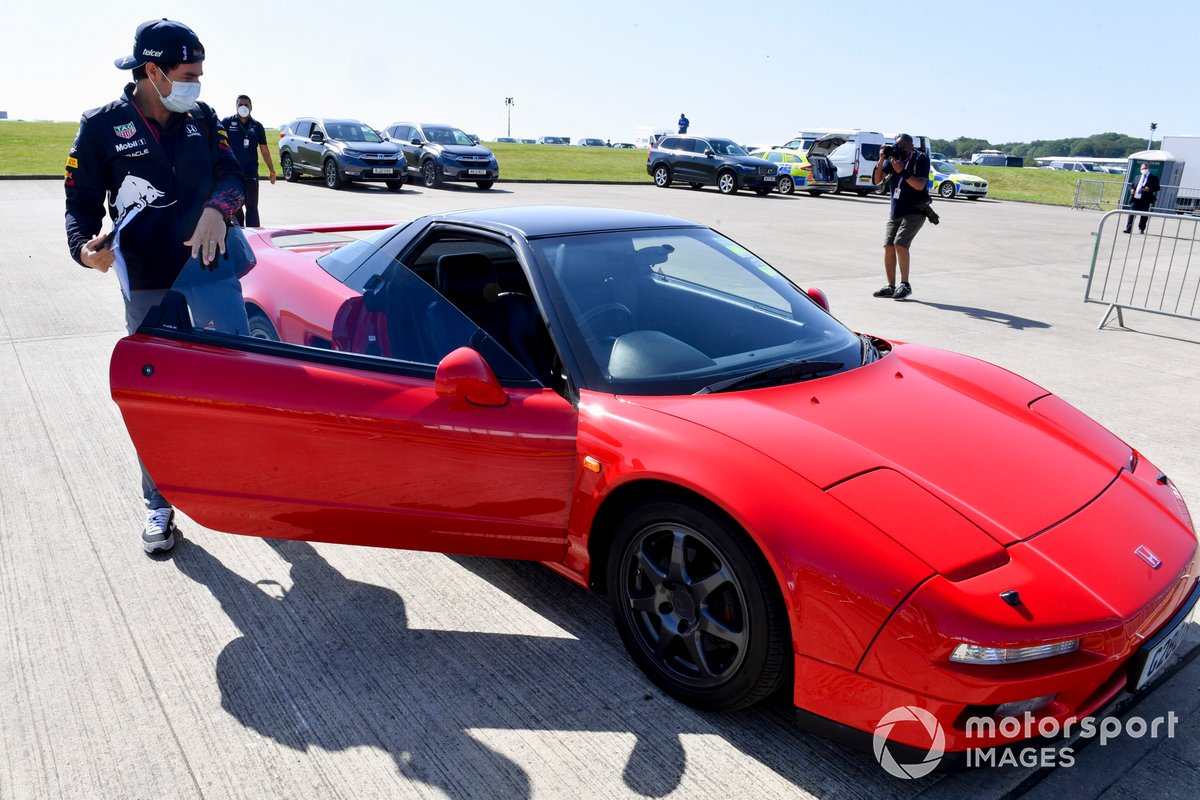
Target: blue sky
x=1004 y=72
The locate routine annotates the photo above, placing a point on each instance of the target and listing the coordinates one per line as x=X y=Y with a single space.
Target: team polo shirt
x=245 y=138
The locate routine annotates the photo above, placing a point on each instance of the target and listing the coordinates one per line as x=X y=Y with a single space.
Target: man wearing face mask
x=248 y=139
x=1142 y=194
x=163 y=163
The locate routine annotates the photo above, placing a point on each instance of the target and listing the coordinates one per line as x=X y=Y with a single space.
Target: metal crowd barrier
x=1102 y=195
x=1157 y=272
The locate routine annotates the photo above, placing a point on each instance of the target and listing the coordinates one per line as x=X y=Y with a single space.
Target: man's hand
x=97 y=254
x=209 y=237
x=272 y=177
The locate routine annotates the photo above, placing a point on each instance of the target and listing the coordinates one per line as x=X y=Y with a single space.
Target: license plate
x=477 y=172
x=385 y=171
x=1154 y=656
x=769 y=178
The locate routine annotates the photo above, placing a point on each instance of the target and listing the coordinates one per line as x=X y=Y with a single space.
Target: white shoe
x=159 y=534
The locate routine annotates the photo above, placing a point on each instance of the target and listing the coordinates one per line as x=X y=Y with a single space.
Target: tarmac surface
x=240 y=667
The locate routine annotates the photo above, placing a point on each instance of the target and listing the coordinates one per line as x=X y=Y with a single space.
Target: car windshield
x=444 y=135
x=672 y=311
x=727 y=147
x=946 y=167
x=352 y=132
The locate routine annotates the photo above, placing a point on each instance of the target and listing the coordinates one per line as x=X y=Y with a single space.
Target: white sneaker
x=159 y=534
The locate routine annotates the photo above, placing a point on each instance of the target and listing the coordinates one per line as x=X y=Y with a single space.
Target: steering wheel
x=586 y=317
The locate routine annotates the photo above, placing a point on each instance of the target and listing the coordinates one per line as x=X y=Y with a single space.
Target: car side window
x=775 y=157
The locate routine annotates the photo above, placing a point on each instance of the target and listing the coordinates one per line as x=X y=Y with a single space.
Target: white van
x=853 y=153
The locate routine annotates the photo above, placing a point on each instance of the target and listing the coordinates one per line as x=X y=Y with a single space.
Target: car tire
x=973 y=197
x=429 y=175
x=662 y=176
x=763 y=191
x=727 y=182
x=946 y=189
x=395 y=186
x=862 y=192
x=786 y=184
x=696 y=185
x=814 y=193
x=485 y=185
x=697 y=607
x=261 y=327
x=333 y=175
x=288 y=168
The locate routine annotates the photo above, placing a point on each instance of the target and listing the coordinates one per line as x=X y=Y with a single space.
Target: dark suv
x=434 y=153
x=339 y=150
x=706 y=160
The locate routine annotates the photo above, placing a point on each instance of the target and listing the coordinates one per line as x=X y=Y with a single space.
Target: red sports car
x=659 y=415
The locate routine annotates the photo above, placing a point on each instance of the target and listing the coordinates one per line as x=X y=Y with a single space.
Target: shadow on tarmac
x=986 y=315
x=332 y=663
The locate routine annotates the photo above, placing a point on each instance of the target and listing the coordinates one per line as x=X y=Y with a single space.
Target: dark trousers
x=1139 y=204
x=250 y=218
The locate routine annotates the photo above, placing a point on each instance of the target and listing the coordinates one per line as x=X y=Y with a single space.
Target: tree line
x=1100 y=145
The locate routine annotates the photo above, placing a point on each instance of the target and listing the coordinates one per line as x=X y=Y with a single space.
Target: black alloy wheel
x=333 y=175
x=697 y=607
x=429 y=175
x=289 y=169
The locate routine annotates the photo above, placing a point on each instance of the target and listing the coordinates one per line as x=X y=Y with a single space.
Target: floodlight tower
x=508 y=101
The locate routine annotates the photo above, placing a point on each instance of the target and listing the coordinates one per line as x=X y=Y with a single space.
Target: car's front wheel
x=786 y=184
x=395 y=186
x=485 y=185
x=333 y=175
x=946 y=189
x=697 y=607
x=289 y=169
x=696 y=185
x=662 y=176
x=727 y=182
x=261 y=327
x=429 y=175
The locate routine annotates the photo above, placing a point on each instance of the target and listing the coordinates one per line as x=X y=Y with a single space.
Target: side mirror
x=819 y=298
x=709 y=153
x=415 y=141
x=465 y=375
x=317 y=137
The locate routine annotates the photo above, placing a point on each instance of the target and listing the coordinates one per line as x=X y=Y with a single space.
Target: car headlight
x=352 y=153
x=1182 y=506
x=980 y=654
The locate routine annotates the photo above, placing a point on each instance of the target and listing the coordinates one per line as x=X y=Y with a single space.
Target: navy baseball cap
x=163 y=41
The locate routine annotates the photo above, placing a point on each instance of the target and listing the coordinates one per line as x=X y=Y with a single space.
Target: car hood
x=464 y=150
x=1000 y=450
x=966 y=176
x=368 y=147
x=749 y=161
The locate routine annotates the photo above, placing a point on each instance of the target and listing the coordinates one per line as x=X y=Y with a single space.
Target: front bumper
x=1080 y=579
x=362 y=170
x=454 y=172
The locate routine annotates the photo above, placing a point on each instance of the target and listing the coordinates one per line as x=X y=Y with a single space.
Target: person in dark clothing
x=683 y=122
x=907 y=171
x=248 y=139
x=163 y=163
x=1142 y=194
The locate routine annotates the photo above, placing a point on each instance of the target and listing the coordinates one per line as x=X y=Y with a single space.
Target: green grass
x=1055 y=187
x=40 y=148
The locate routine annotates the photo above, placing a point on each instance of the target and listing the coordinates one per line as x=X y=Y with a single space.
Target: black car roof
x=534 y=222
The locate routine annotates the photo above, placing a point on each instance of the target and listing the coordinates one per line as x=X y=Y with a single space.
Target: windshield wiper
x=780 y=373
x=870 y=353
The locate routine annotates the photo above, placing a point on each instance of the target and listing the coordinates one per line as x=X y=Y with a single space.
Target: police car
x=947 y=181
x=796 y=172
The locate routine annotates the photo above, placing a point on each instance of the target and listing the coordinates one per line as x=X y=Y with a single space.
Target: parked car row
x=343 y=150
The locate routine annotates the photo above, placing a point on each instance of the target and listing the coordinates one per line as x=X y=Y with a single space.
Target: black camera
x=926 y=208
x=889 y=151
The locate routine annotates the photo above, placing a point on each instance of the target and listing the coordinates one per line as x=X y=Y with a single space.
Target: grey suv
x=434 y=153
x=339 y=150
x=705 y=161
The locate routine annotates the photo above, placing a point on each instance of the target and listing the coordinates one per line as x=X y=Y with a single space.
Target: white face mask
x=1145 y=172
x=183 y=96
x=243 y=111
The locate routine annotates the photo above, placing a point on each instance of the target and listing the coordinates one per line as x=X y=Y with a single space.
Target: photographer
x=910 y=208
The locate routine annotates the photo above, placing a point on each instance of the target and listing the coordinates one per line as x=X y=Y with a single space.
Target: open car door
x=464 y=454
